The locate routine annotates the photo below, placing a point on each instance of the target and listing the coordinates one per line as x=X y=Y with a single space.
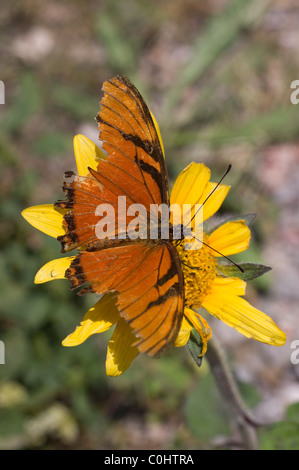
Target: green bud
x=195 y=347
x=251 y=270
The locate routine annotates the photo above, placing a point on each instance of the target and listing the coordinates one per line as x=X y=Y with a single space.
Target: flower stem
x=242 y=418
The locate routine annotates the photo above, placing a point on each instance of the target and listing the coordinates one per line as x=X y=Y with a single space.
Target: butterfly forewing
x=134 y=168
x=131 y=141
x=85 y=196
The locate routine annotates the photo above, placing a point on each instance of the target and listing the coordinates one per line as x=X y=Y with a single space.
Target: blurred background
x=217 y=75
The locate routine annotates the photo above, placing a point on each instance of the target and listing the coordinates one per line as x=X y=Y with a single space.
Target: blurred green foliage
x=55 y=397
x=283 y=435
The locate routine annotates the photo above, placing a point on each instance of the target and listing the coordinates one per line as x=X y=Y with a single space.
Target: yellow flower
x=205 y=285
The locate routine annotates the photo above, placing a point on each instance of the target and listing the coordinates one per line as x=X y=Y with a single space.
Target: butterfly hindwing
x=148 y=285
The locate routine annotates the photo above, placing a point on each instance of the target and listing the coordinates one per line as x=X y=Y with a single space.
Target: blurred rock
x=34 y=46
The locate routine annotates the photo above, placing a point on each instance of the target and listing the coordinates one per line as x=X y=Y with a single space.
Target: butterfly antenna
x=206 y=244
x=219 y=182
x=209 y=195
x=219 y=253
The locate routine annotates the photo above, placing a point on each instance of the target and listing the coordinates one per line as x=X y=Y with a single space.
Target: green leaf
x=292 y=413
x=77 y=104
x=276 y=125
x=26 y=102
x=249 y=394
x=283 y=435
x=219 y=34
x=52 y=144
x=12 y=422
x=251 y=270
x=7 y=152
x=195 y=347
x=122 y=52
x=205 y=411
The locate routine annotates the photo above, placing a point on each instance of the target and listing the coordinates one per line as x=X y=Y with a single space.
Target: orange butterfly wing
x=136 y=162
x=135 y=166
x=147 y=281
x=145 y=275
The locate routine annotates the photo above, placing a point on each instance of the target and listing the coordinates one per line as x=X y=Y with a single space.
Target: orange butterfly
x=144 y=277
x=144 y=274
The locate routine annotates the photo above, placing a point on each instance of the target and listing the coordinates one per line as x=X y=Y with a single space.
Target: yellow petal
x=120 y=352
x=230 y=238
x=190 y=184
x=87 y=154
x=98 y=319
x=229 y=286
x=55 y=269
x=184 y=334
x=193 y=187
x=213 y=200
x=47 y=218
x=158 y=132
x=237 y=313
